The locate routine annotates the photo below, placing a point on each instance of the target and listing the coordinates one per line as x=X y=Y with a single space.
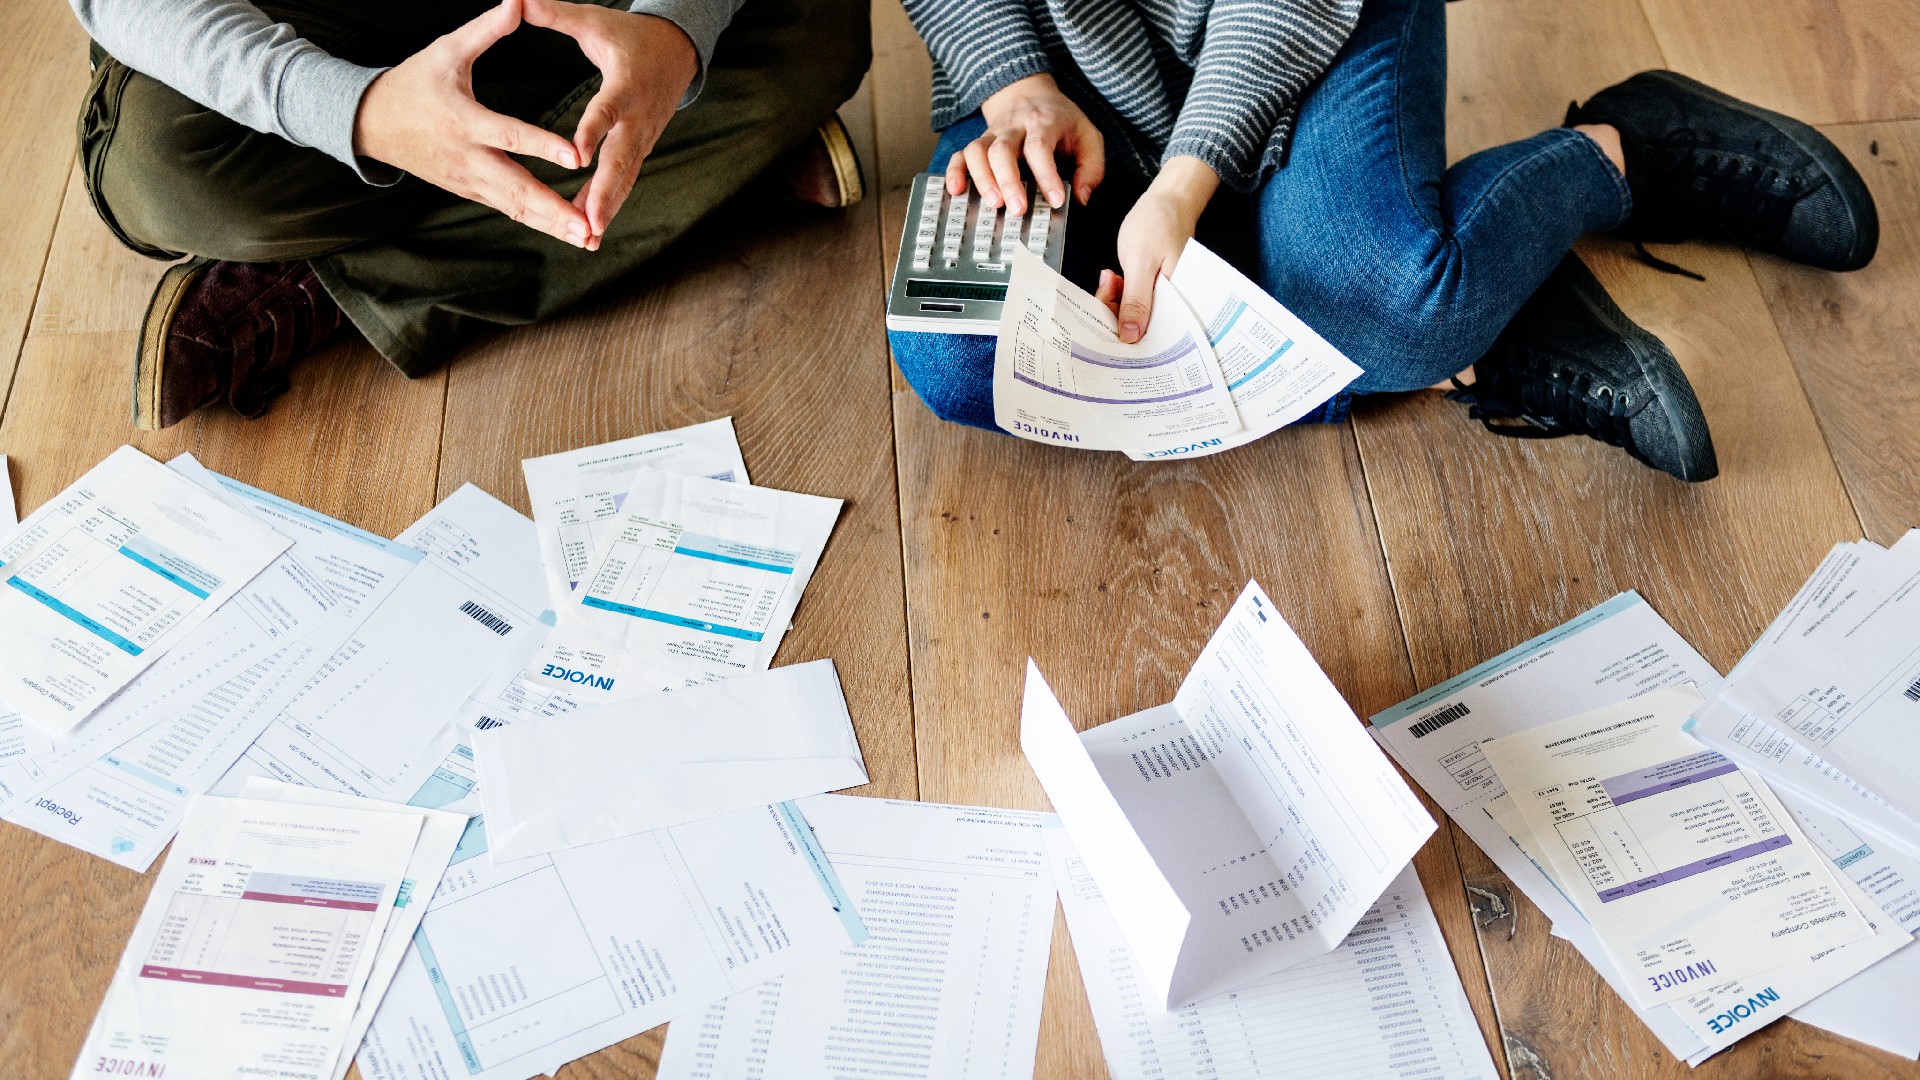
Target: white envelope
x=664 y=759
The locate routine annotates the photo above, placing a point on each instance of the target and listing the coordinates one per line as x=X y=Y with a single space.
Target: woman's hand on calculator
x=1030 y=120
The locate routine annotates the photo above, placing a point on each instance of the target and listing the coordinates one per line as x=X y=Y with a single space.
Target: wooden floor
x=1404 y=547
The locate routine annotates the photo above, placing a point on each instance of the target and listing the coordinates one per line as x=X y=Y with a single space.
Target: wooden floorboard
x=1856 y=337
x=44 y=54
x=724 y=326
x=1823 y=61
x=1112 y=575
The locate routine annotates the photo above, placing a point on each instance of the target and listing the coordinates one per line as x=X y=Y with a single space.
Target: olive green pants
x=420 y=271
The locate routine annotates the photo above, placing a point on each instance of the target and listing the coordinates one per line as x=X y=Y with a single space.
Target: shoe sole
x=149 y=363
x=846 y=164
x=1663 y=371
x=1846 y=179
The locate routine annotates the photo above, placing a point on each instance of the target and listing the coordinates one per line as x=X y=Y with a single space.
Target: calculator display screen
x=955 y=290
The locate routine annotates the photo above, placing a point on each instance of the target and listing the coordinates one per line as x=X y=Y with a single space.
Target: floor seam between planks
x=39 y=282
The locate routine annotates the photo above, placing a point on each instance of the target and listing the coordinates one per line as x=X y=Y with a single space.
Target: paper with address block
x=1685 y=864
x=666 y=758
x=98 y=589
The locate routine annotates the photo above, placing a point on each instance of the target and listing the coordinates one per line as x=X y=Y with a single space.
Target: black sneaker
x=1572 y=363
x=1699 y=161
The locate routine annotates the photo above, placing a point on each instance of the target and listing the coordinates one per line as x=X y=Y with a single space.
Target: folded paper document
x=1243 y=828
x=255 y=947
x=1221 y=364
x=104 y=580
x=577 y=494
x=665 y=758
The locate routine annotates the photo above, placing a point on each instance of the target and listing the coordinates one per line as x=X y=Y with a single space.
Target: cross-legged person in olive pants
x=431 y=170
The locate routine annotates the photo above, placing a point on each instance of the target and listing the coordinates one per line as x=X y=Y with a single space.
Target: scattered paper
x=1240 y=830
x=256 y=943
x=576 y=495
x=521 y=967
x=665 y=759
x=101 y=586
x=959 y=901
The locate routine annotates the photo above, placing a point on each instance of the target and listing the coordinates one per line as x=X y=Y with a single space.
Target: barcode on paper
x=487 y=618
x=1434 y=721
x=486 y=722
x=1913 y=691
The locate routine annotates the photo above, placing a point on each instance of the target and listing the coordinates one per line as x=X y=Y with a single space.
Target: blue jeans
x=1409 y=267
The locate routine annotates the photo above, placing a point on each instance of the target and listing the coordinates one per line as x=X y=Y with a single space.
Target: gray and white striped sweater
x=1221 y=80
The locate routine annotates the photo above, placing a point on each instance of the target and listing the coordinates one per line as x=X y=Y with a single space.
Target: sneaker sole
x=1846 y=179
x=149 y=363
x=1669 y=380
x=846 y=163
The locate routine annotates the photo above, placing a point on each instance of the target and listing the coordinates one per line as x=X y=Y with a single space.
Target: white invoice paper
x=1062 y=375
x=439 y=834
x=578 y=493
x=367 y=723
x=104 y=593
x=665 y=759
x=118 y=784
x=255 y=945
x=1386 y=1004
x=959 y=900
x=521 y=967
x=1240 y=830
x=697 y=580
x=1686 y=865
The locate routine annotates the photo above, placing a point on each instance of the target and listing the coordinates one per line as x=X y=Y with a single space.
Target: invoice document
x=1685 y=864
x=9 y=512
x=439 y=834
x=696 y=580
x=576 y=494
x=1062 y=375
x=1276 y=367
x=665 y=759
x=255 y=943
x=1612 y=652
x=1386 y=1004
x=959 y=900
x=366 y=724
x=118 y=784
x=1846 y=684
x=521 y=967
x=102 y=595
x=1240 y=830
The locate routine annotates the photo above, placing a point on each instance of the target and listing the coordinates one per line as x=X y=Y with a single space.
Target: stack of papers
x=1657 y=856
x=1221 y=363
x=267 y=938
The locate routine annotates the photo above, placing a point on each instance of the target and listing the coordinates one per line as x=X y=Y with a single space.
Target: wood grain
x=44 y=54
x=1112 y=575
x=1855 y=338
x=902 y=93
x=1823 y=61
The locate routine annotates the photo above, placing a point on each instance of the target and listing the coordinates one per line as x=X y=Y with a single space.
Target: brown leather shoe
x=824 y=171
x=226 y=329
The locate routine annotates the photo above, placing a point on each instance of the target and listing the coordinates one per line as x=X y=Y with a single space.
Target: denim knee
x=952 y=374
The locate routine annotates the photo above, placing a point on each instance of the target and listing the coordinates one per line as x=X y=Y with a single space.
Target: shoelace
x=1736 y=188
x=1551 y=404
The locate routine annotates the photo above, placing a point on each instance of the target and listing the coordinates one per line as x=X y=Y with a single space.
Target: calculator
x=956 y=257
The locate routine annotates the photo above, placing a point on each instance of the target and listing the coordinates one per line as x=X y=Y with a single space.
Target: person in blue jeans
x=1323 y=120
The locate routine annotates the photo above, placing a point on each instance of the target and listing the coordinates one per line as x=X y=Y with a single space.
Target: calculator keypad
x=955 y=253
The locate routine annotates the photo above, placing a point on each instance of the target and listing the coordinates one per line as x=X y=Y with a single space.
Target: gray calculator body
x=956 y=257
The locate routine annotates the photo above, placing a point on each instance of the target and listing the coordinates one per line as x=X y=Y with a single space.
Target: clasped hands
x=1031 y=120
x=421 y=116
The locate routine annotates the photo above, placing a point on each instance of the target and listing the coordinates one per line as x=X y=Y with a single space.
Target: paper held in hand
x=1222 y=364
x=1239 y=830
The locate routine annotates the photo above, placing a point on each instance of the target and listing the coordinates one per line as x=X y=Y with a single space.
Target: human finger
x=490 y=128
x=1136 y=302
x=1108 y=291
x=569 y=19
x=1046 y=174
x=620 y=158
x=957 y=174
x=1004 y=157
x=1089 y=160
x=982 y=173
x=479 y=33
x=507 y=187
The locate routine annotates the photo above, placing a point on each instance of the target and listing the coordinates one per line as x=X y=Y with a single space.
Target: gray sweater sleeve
x=230 y=57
